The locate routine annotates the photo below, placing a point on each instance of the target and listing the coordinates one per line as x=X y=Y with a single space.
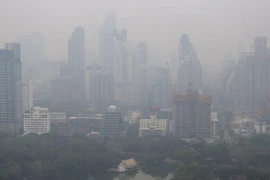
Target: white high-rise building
x=27 y=95
x=37 y=121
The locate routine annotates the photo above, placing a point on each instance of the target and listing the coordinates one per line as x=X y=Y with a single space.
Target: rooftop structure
x=127 y=165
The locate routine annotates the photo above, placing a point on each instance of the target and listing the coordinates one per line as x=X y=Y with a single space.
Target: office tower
x=61 y=87
x=10 y=89
x=106 y=41
x=76 y=58
x=153 y=127
x=258 y=74
x=249 y=85
x=120 y=56
x=162 y=94
x=112 y=122
x=142 y=50
x=191 y=114
x=99 y=86
x=125 y=70
x=190 y=70
x=147 y=81
x=38 y=120
x=27 y=95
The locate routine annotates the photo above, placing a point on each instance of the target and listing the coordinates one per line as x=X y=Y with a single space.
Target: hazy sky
x=214 y=26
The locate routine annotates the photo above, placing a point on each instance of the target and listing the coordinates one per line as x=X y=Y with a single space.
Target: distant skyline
x=214 y=27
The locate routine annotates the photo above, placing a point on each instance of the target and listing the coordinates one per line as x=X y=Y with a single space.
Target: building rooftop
x=193 y=97
x=112 y=108
x=130 y=163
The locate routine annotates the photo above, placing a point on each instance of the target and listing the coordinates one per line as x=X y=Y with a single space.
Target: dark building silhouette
x=112 y=122
x=192 y=114
x=10 y=89
x=100 y=87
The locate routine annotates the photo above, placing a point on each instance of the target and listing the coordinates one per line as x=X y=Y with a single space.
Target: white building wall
x=37 y=121
x=153 y=125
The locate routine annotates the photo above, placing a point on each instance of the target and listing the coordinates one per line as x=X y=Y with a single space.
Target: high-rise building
x=27 y=95
x=162 y=94
x=10 y=89
x=142 y=50
x=147 y=81
x=190 y=70
x=112 y=122
x=249 y=85
x=61 y=87
x=37 y=121
x=125 y=70
x=106 y=42
x=76 y=58
x=99 y=86
x=192 y=114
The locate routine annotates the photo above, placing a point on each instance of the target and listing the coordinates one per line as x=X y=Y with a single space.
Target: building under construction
x=192 y=114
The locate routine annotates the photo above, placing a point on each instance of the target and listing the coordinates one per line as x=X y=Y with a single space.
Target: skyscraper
x=147 y=81
x=249 y=83
x=76 y=58
x=142 y=51
x=10 y=89
x=125 y=70
x=99 y=86
x=189 y=68
x=162 y=95
x=106 y=41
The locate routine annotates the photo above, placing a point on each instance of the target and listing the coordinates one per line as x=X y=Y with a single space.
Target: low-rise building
x=128 y=165
x=64 y=128
x=58 y=117
x=38 y=120
x=153 y=127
